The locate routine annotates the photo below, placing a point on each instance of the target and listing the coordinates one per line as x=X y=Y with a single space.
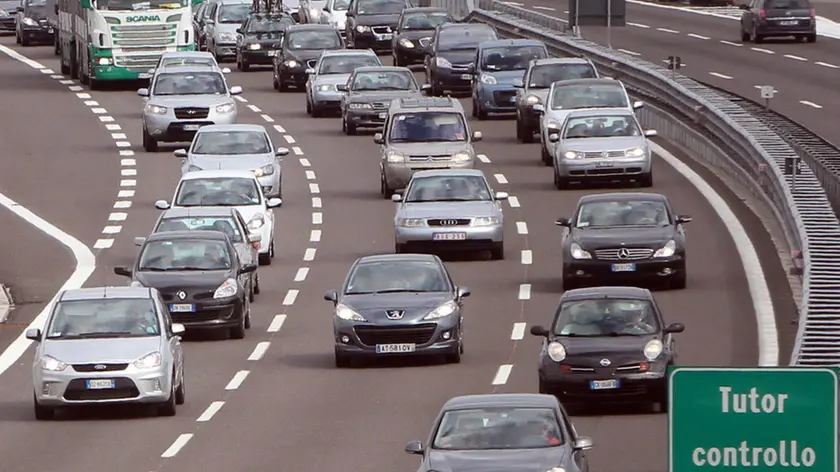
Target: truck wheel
x=74 y=69
x=56 y=45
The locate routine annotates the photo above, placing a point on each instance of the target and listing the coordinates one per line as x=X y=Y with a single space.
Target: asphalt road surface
x=290 y=409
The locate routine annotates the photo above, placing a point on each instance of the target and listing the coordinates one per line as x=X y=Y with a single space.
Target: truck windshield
x=138 y=5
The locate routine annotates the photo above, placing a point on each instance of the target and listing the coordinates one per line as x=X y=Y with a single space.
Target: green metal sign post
x=758 y=419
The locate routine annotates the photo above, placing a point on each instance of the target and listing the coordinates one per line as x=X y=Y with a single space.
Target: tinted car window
x=222 y=192
x=104 y=318
x=341 y=5
x=545 y=75
x=457 y=188
x=498 y=428
x=380 y=7
x=313 y=40
x=601 y=127
x=788 y=5
x=452 y=39
x=190 y=83
x=188 y=61
x=269 y=25
x=192 y=254
x=392 y=80
x=623 y=213
x=234 y=13
x=510 y=58
x=424 y=21
x=224 y=224
x=414 y=276
x=568 y=97
x=428 y=126
x=606 y=317
x=346 y=64
x=231 y=142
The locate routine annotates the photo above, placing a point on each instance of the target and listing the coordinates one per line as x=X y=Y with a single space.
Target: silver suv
x=423 y=134
x=181 y=100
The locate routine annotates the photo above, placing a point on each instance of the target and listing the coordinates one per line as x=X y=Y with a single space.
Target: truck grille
x=142 y=44
x=191 y=113
x=448 y=222
x=632 y=254
x=417 y=334
x=602 y=155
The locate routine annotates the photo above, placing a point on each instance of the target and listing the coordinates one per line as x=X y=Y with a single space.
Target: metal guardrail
x=727 y=136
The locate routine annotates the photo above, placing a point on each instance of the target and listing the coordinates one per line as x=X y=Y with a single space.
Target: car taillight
x=762 y=14
x=813 y=13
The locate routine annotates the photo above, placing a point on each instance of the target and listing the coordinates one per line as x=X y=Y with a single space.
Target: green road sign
x=763 y=418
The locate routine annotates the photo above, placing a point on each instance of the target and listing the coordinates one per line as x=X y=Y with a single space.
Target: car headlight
x=406 y=43
x=395 y=157
x=264 y=170
x=359 y=106
x=573 y=155
x=462 y=156
x=346 y=313
x=226 y=290
x=442 y=62
x=444 y=310
x=225 y=108
x=29 y=21
x=532 y=100
x=156 y=109
x=485 y=221
x=194 y=168
x=149 y=361
x=488 y=79
x=52 y=364
x=552 y=124
x=653 y=349
x=226 y=38
x=256 y=222
x=326 y=88
x=635 y=152
x=255 y=46
x=291 y=63
x=667 y=250
x=556 y=469
x=362 y=29
x=556 y=351
x=578 y=253
x=411 y=222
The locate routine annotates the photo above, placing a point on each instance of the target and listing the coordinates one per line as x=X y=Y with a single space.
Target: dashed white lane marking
x=315 y=236
x=125 y=194
x=126 y=152
x=254 y=108
x=525 y=292
x=289 y=139
x=128 y=172
x=123 y=144
x=106 y=119
x=500 y=178
x=317 y=217
x=697 y=36
x=316 y=202
x=540 y=7
x=210 y=412
x=502 y=374
x=47 y=71
x=111 y=229
x=83 y=95
x=309 y=254
x=117 y=216
x=301 y=274
x=305 y=162
x=298 y=151
x=314 y=188
x=276 y=323
x=237 y=380
x=521 y=227
x=632 y=53
x=310 y=175
x=75 y=88
x=279 y=129
x=638 y=25
x=119 y=136
x=666 y=30
x=722 y=76
x=513 y=201
x=92 y=103
x=56 y=76
x=825 y=64
x=483 y=158
x=240 y=99
x=518 y=332
x=795 y=58
x=128 y=162
x=259 y=351
x=70 y=82
x=267 y=118
x=290 y=297
x=128 y=183
x=730 y=43
x=99 y=111
x=103 y=243
x=113 y=127
x=527 y=257
x=176 y=447
x=122 y=204
x=765 y=51
x=810 y=104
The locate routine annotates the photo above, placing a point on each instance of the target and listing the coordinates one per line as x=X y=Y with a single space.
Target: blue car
x=499 y=64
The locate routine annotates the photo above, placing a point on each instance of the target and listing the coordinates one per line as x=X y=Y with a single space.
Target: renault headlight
x=291 y=64
x=411 y=222
x=29 y=21
x=488 y=79
x=578 y=252
x=667 y=250
x=226 y=290
x=532 y=100
x=326 y=88
x=653 y=349
x=395 y=157
x=462 y=156
x=225 y=108
x=194 y=168
x=556 y=351
x=406 y=43
x=444 y=310
x=573 y=155
x=226 y=37
x=635 y=152
x=52 y=364
x=442 y=62
x=346 y=313
x=255 y=46
x=362 y=28
x=359 y=106
x=485 y=221
x=156 y=109
x=264 y=170
x=256 y=222
x=149 y=361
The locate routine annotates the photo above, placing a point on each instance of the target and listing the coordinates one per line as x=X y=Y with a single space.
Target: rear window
x=789 y=5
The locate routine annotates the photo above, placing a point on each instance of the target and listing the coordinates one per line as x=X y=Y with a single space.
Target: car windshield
x=218 y=192
x=510 y=57
x=381 y=7
x=187 y=61
x=224 y=224
x=36 y=3
x=184 y=255
x=458 y=188
x=789 y=5
x=341 y=5
x=234 y=12
x=132 y=5
x=231 y=143
x=428 y=127
x=606 y=317
x=264 y=24
x=320 y=39
x=602 y=214
x=190 y=83
x=570 y=97
x=601 y=127
x=543 y=76
x=383 y=80
x=424 y=21
x=464 y=38
x=498 y=428
x=104 y=318
x=339 y=64
x=397 y=276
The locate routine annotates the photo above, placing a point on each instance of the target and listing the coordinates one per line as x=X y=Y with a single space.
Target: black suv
x=32 y=26
x=259 y=38
x=778 y=18
x=413 y=36
x=451 y=62
x=371 y=23
x=299 y=50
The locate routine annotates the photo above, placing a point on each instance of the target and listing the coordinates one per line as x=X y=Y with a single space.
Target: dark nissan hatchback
x=778 y=18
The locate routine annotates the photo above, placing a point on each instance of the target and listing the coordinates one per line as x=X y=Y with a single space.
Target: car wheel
x=745 y=36
x=238 y=332
x=282 y=86
x=546 y=158
x=560 y=183
x=308 y=107
x=479 y=112
x=42 y=413
x=399 y=248
x=757 y=38
x=251 y=291
x=316 y=112
x=497 y=253
x=24 y=41
x=454 y=357
x=265 y=259
x=257 y=283
x=384 y=189
x=646 y=180
x=349 y=128
x=811 y=38
x=181 y=392
x=238 y=63
x=169 y=408
x=342 y=361
x=543 y=387
x=245 y=67
x=275 y=83
x=149 y=143
x=17 y=38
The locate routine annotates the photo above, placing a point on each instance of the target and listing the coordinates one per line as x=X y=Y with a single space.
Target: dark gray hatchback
x=778 y=18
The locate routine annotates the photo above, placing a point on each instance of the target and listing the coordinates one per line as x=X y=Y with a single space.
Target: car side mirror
x=562 y=222
x=143 y=92
x=281 y=151
x=674 y=328
x=518 y=83
x=539 y=331
x=502 y=196
x=209 y=21
x=396 y=198
x=538 y=108
x=327 y=9
x=378 y=138
x=33 y=334
x=341 y=87
x=181 y=153
x=235 y=90
x=637 y=105
x=583 y=443
x=177 y=328
x=650 y=133
x=310 y=71
x=273 y=202
x=477 y=136
x=462 y=292
x=162 y=205
x=683 y=219
x=554 y=137
x=139 y=241
x=152 y=70
x=248 y=268
x=414 y=447
x=19 y=9
x=426 y=88
x=331 y=296
x=239 y=30
x=349 y=14
x=254 y=238
x=226 y=70
x=124 y=271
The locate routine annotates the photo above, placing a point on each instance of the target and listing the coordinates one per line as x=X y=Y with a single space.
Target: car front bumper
x=595 y=271
x=371 y=40
x=450 y=237
x=591 y=169
x=224 y=50
x=439 y=336
x=272 y=185
x=496 y=98
x=209 y=314
x=366 y=118
x=326 y=99
x=649 y=385
x=168 y=128
x=131 y=385
x=452 y=79
x=260 y=57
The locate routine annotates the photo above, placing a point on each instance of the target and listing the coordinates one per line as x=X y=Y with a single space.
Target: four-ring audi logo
x=448 y=222
x=623 y=253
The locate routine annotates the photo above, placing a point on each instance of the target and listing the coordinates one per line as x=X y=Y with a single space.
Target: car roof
x=187 y=68
x=495 y=43
x=197 y=234
x=396 y=257
x=562 y=60
x=348 y=52
x=309 y=27
x=409 y=10
x=92 y=293
x=466 y=26
x=607 y=292
x=190 y=212
x=447 y=173
x=441 y=104
x=231 y=2
x=512 y=400
x=600 y=112
x=612 y=196
x=218 y=173
x=232 y=127
x=382 y=69
x=201 y=54
x=601 y=81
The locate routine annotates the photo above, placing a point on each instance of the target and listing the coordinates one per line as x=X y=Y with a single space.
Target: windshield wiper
x=455 y=200
x=575 y=335
x=152 y=269
x=399 y=290
x=615 y=334
x=104 y=334
x=192 y=268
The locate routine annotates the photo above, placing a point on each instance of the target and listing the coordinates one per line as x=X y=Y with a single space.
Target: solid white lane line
x=103 y=243
x=112 y=229
x=502 y=374
x=310 y=175
x=289 y=139
x=298 y=151
x=540 y=7
x=267 y=118
x=210 y=412
x=795 y=58
x=730 y=43
x=279 y=129
x=525 y=292
x=301 y=274
x=666 y=30
x=309 y=254
x=632 y=53
x=521 y=227
x=765 y=51
x=122 y=204
x=317 y=216
x=697 y=36
x=483 y=158
x=500 y=178
x=305 y=162
x=316 y=202
x=513 y=202
x=117 y=216
x=125 y=194
x=276 y=323
x=518 y=332
x=254 y=108
x=810 y=104
x=825 y=64
x=722 y=76
x=176 y=447
x=237 y=380
x=313 y=188
x=290 y=297
x=638 y=25
x=527 y=257
x=259 y=351
x=315 y=236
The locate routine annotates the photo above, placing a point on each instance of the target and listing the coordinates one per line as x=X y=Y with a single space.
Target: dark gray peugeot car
x=397 y=305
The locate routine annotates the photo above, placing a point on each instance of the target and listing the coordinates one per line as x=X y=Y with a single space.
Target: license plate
x=384 y=37
x=604 y=164
x=449 y=236
x=603 y=384
x=182 y=308
x=466 y=76
x=788 y=23
x=191 y=127
x=394 y=348
x=624 y=267
x=100 y=384
x=272 y=53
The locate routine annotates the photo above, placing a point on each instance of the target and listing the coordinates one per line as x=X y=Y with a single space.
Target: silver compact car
x=108 y=345
x=225 y=17
x=333 y=69
x=450 y=210
x=602 y=144
x=180 y=101
x=239 y=147
x=368 y=94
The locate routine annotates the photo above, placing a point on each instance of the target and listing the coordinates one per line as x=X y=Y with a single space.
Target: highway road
x=289 y=408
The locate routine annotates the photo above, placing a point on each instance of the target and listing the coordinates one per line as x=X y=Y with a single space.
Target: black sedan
x=397 y=305
x=199 y=277
x=300 y=49
x=371 y=23
x=413 y=36
x=522 y=432
x=607 y=343
x=258 y=40
x=450 y=64
x=623 y=237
